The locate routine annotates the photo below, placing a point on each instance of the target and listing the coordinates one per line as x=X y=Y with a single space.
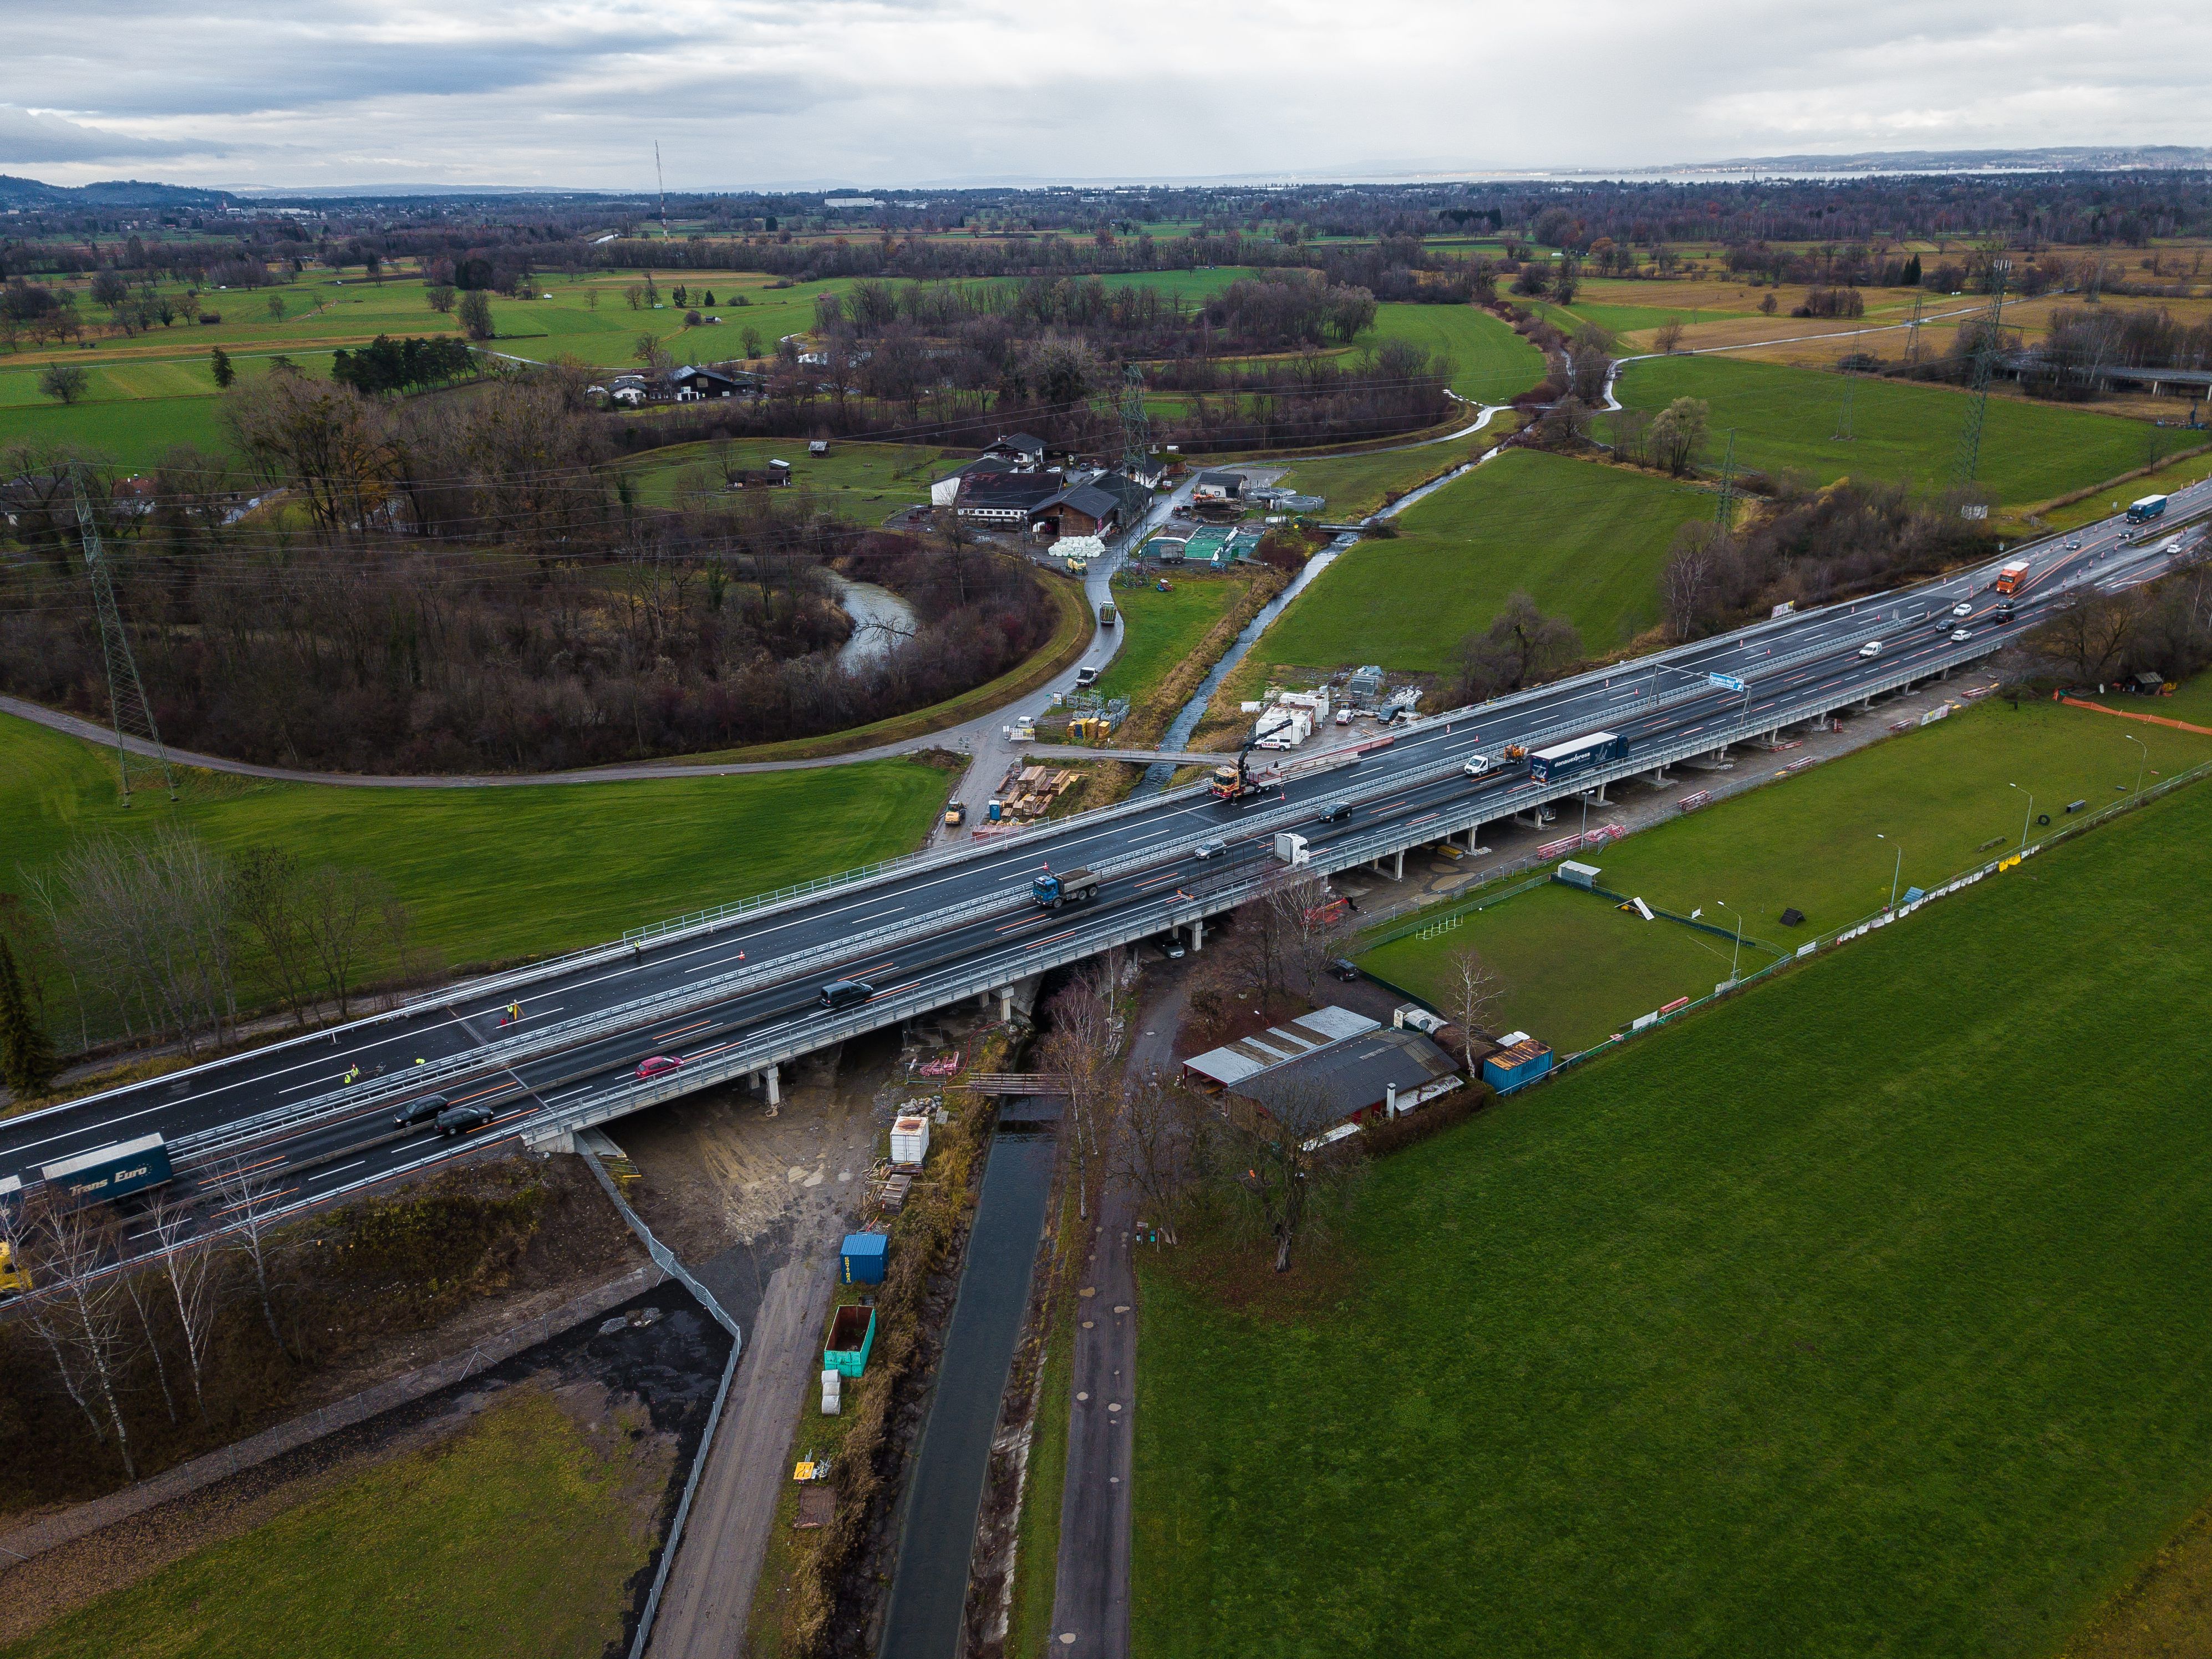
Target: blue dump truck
x=1049 y=891
x=1564 y=760
x=116 y=1171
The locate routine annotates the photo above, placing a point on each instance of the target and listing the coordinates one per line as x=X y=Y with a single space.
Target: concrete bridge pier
x=1198 y=934
x=1656 y=777
x=1597 y=797
x=1397 y=865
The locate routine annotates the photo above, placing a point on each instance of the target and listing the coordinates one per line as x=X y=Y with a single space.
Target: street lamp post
x=2027 y=818
x=1896 y=870
x=2142 y=760
x=1734 y=960
x=1583 y=838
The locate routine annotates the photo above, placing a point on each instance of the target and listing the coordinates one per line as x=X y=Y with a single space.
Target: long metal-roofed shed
x=1233 y=1062
x=1384 y=1070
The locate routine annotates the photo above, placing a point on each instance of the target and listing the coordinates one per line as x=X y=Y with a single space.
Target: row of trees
x=1809 y=546
x=98 y=1328
x=408 y=365
x=159 y=937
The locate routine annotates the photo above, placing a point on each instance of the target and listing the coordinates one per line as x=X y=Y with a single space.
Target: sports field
x=1786 y=419
x=519 y=1536
x=1577 y=969
x=496 y=873
x=1159 y=630
x=1583 y=539
x=1866 y=1314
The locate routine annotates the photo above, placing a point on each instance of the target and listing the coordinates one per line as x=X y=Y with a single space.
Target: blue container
x=862 y=1257
x=1517 y=1067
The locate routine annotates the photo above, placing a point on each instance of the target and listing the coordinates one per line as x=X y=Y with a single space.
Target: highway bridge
x=734 y=992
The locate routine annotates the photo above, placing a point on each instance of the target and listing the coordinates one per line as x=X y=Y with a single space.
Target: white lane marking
x=325 y=1175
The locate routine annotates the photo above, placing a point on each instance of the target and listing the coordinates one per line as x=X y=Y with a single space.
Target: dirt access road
x=1090 y=1591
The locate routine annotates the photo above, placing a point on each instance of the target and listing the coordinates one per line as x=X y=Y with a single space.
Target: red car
x=656 y=1065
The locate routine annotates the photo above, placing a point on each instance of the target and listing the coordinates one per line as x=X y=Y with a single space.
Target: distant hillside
x=2118 y=158
x=112 y=192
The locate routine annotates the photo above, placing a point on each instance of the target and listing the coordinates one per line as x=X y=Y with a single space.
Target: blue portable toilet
x=862 y=1258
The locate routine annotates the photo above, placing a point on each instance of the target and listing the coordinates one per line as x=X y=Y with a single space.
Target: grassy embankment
x=867 y=482
x=1577 y=970
x=1864 y=1314
x=498 y=874
x=1491 y=363
x=518 y=1537
x=1786 y=419
x=1160 y=631
x=1583 y=539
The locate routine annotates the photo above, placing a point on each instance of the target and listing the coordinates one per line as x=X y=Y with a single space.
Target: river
x=880 y=620
x=929 y=1584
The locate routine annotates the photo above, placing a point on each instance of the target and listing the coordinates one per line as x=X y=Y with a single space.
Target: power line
x=127 y=693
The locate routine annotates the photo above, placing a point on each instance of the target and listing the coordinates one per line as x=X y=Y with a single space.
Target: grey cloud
x=29 y=138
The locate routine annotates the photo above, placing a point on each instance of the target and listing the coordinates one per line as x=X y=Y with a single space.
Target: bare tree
x=1079 y=1048
x=1666 y=337
x=1677 y=433
x=2091 y=632
x=1687 y=584
x=268 y=898
x=78 y=1312
x=145 y=1298
x=188 y=1265
x=1280 y=1139
x=337 y=909
x=1309 y=924
x=1472 y=990
x=247 y=1197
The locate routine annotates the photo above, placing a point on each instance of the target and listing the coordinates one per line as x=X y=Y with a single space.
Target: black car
x=846 y=993
x=1339 y=969
x=459 y=1120
x=1336 y=811
x=420 y=1111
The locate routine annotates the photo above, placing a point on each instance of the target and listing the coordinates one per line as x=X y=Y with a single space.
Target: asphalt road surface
x=317 y=1113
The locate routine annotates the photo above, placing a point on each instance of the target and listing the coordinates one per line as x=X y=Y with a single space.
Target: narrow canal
x=929 y=1585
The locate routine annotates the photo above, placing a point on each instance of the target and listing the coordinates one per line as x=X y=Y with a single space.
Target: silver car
x=1209 y=849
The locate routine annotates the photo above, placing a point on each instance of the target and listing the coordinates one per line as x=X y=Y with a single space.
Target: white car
x=1963 y=608
x=1959 y=634
x=1871 y=648
x=1476 y=765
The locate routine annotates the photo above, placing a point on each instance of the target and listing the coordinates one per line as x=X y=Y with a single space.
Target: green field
x=869 y=481
x=492 y=874
x=1785 y=420
x=1583 y=539
x=1491 y=363
x=1866 y=1314
x=517 y=1537
x=1354 y=486
x=1159 y=630
x=1578 y=970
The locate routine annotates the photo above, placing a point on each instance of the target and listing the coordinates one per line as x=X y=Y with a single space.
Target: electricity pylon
x=1843 y=433
x=127 y=694
x=1136 y=425
x=1724 y=510
x=1978 y=407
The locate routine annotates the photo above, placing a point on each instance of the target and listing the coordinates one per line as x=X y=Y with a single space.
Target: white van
x=1871 y=648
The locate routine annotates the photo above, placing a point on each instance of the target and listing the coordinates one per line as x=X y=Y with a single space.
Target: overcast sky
x=323 y=92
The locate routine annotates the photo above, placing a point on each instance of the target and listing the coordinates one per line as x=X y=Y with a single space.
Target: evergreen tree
x=1911 y=278
x=27 y=1054
x=219 y=361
